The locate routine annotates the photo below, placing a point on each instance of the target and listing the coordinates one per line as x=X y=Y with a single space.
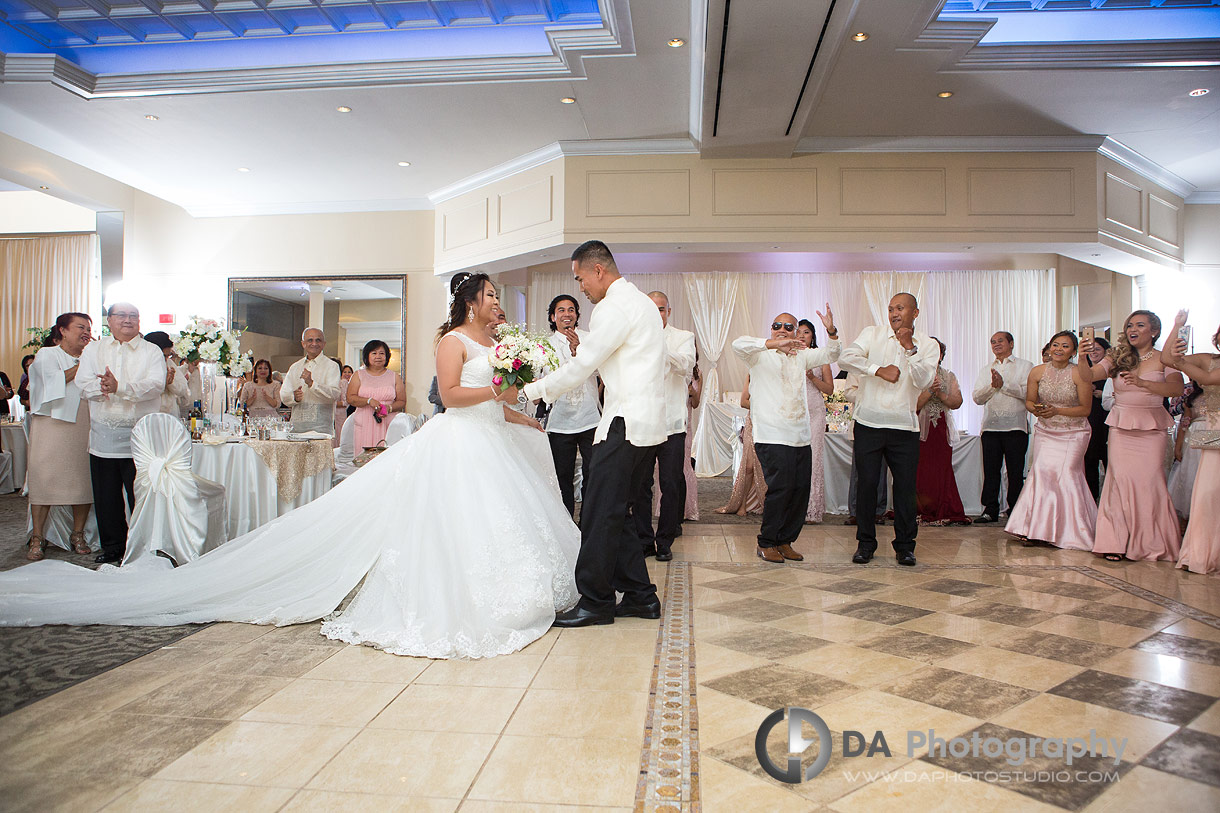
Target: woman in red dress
x=939 y=502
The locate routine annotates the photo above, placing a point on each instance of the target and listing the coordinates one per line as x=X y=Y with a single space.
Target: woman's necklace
x=1147 y=355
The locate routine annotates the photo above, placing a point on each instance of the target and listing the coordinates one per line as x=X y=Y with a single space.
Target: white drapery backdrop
x=713 y=300
x=962 y=308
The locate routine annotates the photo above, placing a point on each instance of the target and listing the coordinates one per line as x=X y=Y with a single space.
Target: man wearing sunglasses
x=780 y=414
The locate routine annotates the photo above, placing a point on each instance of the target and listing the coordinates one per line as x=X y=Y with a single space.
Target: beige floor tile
x=328 y=801
x=109 y=690
x=1145 y=789
x=467 y=709
x=1100 y=632
x=808 y=597
x=576 y=713
x=325 y=702
x=196 y=695
x=923 y=599
x=183 y=797
x=508 y=671
x=1208 y=721
x=43 y=720
x=893 y=715
x=960 y=628
x=38 y=792
x=1015 y=668
x=184 y=655
x=603 y=642
x=266 y=656
x=227 y=632
x=1035 y=600
x=588 y=771
x=1194 y=629
x=252 y=753
x=727 y=789
x=406 y=763
x=710 y=625
x=831 y=627
x=853 y=664
x=924 y=787
x=484 y=806
x=1164 y=669
x=370 y=665
x=723 y=717
x=624 y=673
x=1052 y=716
x=714 y=661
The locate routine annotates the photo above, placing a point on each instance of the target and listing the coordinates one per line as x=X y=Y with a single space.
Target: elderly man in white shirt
x=626 y=344
x=779 y=410
x=575 y=415
x=311 y=386
x=122 y=376
x=895 y=363
x=679 y=347
x=1000 y=390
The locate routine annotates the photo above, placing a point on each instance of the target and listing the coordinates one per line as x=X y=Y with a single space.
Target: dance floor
x=983 y=636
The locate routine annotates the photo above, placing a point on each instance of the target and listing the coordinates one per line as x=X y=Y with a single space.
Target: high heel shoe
x=36 y=548
x=80 y=545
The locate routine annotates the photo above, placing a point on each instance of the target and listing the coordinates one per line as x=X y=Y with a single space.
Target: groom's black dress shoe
x=108 y=558
x=861 y=557
x=580 y=617
x=906 y=558
x=664 y=554
x=626 y=609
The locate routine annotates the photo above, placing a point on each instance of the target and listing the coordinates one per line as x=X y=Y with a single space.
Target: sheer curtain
x=713 y=299
x=40 y=278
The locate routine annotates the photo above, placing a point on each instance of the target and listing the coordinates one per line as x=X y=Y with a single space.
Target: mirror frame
x=237 y=282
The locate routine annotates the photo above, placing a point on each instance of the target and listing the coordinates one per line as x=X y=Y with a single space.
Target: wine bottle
x=196 y=418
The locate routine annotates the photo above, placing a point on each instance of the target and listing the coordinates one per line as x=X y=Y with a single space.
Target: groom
x=626 y=345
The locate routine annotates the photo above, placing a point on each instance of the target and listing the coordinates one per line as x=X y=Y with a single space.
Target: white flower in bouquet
x=520 y=357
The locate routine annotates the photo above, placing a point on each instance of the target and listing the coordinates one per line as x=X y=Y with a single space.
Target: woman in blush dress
x=341 y=406
x=749 y=487
x=377 y=393
x=261 y=396
x=1056 y=507
x=819 y=382
x=1095 y=456
x=938 y=500
x=1186 y=454
x=1201 y=546
x=1136 y=519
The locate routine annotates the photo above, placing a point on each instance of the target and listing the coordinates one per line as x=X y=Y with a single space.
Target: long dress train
x=749 y=487
x=1201 y=545
x=458 y=533
x=817 y=445
x=938 y=500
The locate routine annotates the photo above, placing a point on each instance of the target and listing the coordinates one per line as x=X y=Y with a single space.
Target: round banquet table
x=255 y=494
x=12 y=435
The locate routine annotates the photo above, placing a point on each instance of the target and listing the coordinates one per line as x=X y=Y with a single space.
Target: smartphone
x=1087 y=333
x=1184 y=333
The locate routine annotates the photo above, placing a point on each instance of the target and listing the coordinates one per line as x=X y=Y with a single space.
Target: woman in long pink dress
x=261 y=396
x=1136 y=519
x=938 y=500
x=1201 y=546
x=819 y=382
x=1056 y=506
x=749 y=487
x=376 y=392
x=345 y=378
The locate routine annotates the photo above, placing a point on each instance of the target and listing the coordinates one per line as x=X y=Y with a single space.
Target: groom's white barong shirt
x=779 y=405
x=139 y=368
x=626 y=344
x=679 y=362
x=316 y=409
x=879 y=403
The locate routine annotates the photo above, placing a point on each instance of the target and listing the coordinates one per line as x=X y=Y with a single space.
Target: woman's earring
x=470 y=314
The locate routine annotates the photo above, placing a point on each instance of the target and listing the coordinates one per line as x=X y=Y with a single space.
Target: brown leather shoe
x=850 y=520
x=788 y=553
x=771 y=555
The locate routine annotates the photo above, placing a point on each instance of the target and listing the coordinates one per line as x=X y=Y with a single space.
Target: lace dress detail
x=817 y=443
x=1058 y=388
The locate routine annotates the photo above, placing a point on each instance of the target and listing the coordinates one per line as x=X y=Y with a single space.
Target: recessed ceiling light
x=151 y=117
x=243 y=169
x=945 y=94
x=859 y=36
x=404 y=163
x=343 y=108
x=44 y=187
x=1094 y=255
x=676 y=42
x=567 y=100
x=1200 y=92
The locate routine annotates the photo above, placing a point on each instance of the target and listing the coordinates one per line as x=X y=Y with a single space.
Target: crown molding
x=1070 y=143
x=1134 y=161
x=507 y=169
x=627 y=146
x=306 y=208
x=1204 y=197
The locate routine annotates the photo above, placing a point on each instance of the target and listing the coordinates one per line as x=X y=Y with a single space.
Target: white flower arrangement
x=520 y=357
x=208 y=340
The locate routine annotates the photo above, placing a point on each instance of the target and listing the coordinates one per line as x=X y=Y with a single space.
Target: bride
x=458 y=532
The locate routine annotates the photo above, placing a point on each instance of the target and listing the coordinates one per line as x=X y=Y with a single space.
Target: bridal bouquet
x=520 y=357
x=207 y=340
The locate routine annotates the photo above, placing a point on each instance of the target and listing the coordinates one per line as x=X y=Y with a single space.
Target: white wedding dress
x=458 y=532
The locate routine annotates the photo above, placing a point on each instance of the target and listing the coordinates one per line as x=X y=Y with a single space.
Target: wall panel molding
x=1020 y=191
x=765 y=191
x=530 y=205
x=1124 y=204
x=892 y=191
x=464 y=225
x=637 y=193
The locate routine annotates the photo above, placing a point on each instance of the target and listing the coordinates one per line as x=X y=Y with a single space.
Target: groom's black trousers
x=610 y=557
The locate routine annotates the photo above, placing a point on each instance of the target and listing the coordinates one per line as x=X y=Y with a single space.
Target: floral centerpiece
x=838 y=411
x=520 y=357
x=208 y=341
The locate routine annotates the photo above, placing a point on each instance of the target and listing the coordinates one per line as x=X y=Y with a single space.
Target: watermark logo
x=797 y=745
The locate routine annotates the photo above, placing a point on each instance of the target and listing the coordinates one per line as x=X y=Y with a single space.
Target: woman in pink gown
x=749 y=487
x=1056 y=506
x=375 y=391
x=261 y=396
x=1201 y=546
x=1136 y=519
x=345 y=378
x=819 y=383
x=938 y=500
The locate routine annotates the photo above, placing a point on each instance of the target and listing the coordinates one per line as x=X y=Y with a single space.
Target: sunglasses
x=783 y=326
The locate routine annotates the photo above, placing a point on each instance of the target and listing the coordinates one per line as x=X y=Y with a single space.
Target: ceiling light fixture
x=859 y=36
x=44 y=187
x=151 y=117
x=404 y=163
x=1199 y=92
x=567 y=100
x=243 y=169
x=945 y=94
x=676 y=42
x=343 y=108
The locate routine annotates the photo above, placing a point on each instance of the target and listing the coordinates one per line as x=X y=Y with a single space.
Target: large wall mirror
x=273 y=312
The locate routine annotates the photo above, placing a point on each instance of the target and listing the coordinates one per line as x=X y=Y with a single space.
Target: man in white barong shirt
x=574 y=415
x=311 y=386
x=1004 y=436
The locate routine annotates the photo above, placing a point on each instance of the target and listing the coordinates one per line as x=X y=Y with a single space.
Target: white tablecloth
x=251 y=493
x=15 y=441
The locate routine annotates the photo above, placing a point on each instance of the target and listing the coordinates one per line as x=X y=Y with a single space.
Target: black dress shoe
x=108 y=558
x=580 y=617
x=664 y=555
x=861 y=557
x=985 y=518
x=626 y=609
x=650 y=550
x=907 y=558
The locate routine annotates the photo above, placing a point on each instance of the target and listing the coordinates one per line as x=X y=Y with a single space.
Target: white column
x=317 y=292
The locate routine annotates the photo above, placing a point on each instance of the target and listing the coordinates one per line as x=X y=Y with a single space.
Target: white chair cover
x=177 y=513
x=347 y=443
x=6 y=473
x=401 y=426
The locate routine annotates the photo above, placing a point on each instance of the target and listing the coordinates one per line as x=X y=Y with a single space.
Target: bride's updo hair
x=464 y=289
x=1124 y=355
